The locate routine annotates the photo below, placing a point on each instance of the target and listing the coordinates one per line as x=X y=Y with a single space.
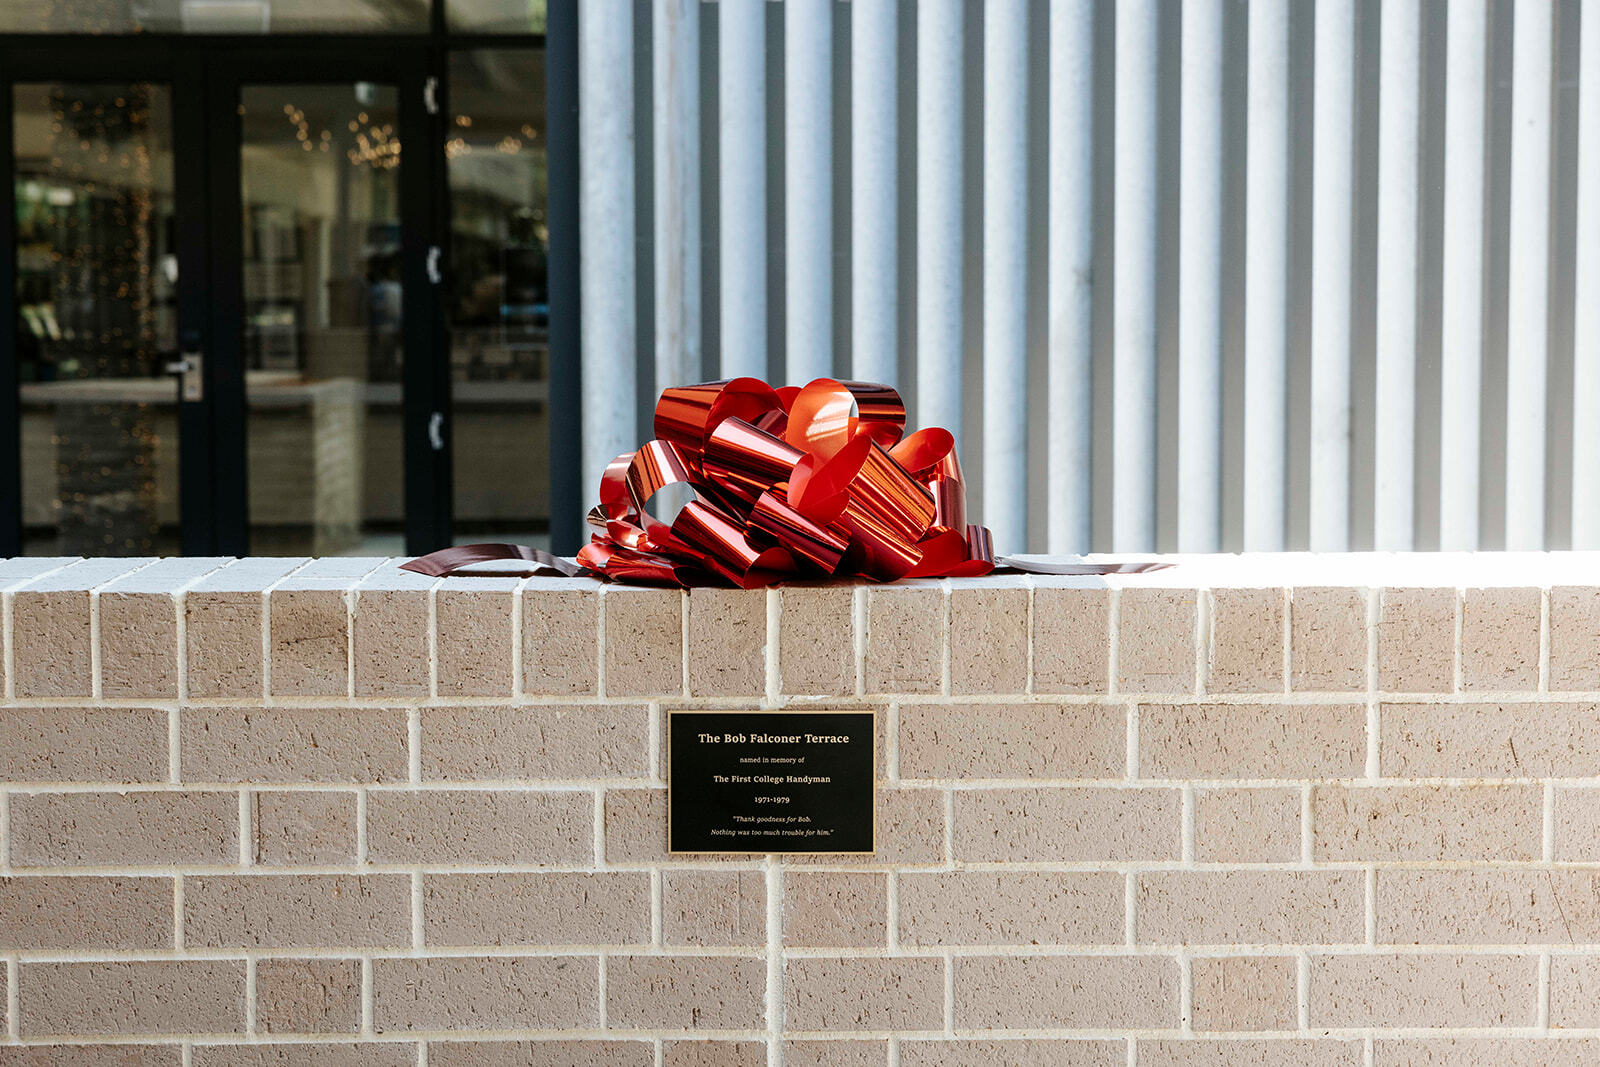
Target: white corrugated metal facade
x=1204 y=275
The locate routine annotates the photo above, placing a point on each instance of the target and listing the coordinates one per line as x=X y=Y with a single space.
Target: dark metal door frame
x=206 y=75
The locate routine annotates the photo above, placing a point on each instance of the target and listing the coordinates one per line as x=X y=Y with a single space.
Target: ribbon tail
x=449 y=561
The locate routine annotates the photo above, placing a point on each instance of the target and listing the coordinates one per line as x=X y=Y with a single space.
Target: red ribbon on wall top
x=796 y=482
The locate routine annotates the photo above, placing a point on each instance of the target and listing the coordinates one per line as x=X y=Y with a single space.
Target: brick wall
x=1275 y=811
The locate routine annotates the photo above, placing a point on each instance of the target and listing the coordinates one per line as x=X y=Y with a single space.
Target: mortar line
x=657 y=907
x=519 y=597
x=1458 y=674
x=1547 y=835
x=949 y=993
x=266 y=629
x=599 y=829
x=775 y=961
x=1129 y=926
x=1186 y=831
x=1370 y=903
x=414 y=745
x=1373 y=725
x=1185 y=994
x=949 y=830
x=600 y=643
x=656 y=723
x=174 y=746
x=1544 y=640
x=892 y=911
x=416 y=910
x=1113 y=640
x=186 y=1054
x=5 y=832
x=1306 y=828
x=1133 y=1051
x=1027 y=684
x=601 y=977
x=433 y=641
x=774 y=667
x=1303 y=989
x=13 y=1000
x=361 y=827
x=891 y=741
x=366 y=995
x=1202 y=643
x=245 y=828
x=683 y=643
x=1367 y=1047
x=352 y=598
x=177 y=914
x=944 y=638
x=1132 y=754
x=656 y=1052
x=858 y=624
x=250 y=996
x=1288 y=639
x=96 y=686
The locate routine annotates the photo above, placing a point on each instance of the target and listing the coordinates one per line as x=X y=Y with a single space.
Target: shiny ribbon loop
x=810 y=480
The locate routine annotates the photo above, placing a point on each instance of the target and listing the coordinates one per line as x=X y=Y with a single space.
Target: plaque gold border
x=772 y=711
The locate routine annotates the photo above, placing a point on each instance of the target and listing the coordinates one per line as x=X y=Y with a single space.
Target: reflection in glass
x=214 y=16
x=96 y=318
x=499 y=307
x=496 y=16
x=322 y=318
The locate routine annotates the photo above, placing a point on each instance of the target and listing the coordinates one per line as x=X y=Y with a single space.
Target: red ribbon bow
x=789 y=482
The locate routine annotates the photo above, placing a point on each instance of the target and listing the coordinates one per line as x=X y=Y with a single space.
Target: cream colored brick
x=479 y=993
x=905 y=639
x=536 y=741
x=1488 y=907
x=268 y=745
x=472 y=637
x=1250 y=907
x=837 y=1054
x=291 y=829
x=1532 y=740
x=92 y=914
x=309 y=642
x=541 y=1054
x=1012 y=741
x=685 y=992
x=714 y=1054
x=816 y=640
x=91 y=1055
x=223 y=635
x=559 y=654
x=610 y=908
x=50 y=644
x=1417 y=640
x=989 y=638
x=480 y=826
x=636 y=828
x=168 y=997
x=83 y=745
x=1246 y=825
x=1413 y=823
x=346 y=1054
x=1291 y=1052
x=1252 y=741
x=822 y=994
x=1246 y=641
x=1155 y=641
x=1574 y=637
x=138 y=645
x=1071 y=637
x=644 y=641
x=728 y=642
x=389 y=642
x=1070 y=992
x=1423 y=990
x=117 y=829
x=1055 y=825
x=1011 y=908
x=308 y=996
x=1328 y=639
x=1485 y=1052
x=1244 y=993
x=966 y=1052
x=1577 y=825
x=1500 y=639
x=297 y=911
x=1575 y=992
x=714 y=908
x=835 y=909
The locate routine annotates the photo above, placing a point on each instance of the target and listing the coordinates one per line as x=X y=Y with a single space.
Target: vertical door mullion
x=424 y=255
x=225 y=383
x=197 y=479
x=10 y=378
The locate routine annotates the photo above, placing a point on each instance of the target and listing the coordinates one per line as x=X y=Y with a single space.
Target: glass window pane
x=96 y=318
x=499 y=305
x=496 y=16
x=214 y=16
x=322 y=338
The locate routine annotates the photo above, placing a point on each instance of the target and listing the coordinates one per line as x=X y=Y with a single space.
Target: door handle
x=190 y=367
x=436 y=431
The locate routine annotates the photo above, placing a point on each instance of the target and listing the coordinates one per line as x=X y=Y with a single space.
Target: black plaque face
x=770 y=781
